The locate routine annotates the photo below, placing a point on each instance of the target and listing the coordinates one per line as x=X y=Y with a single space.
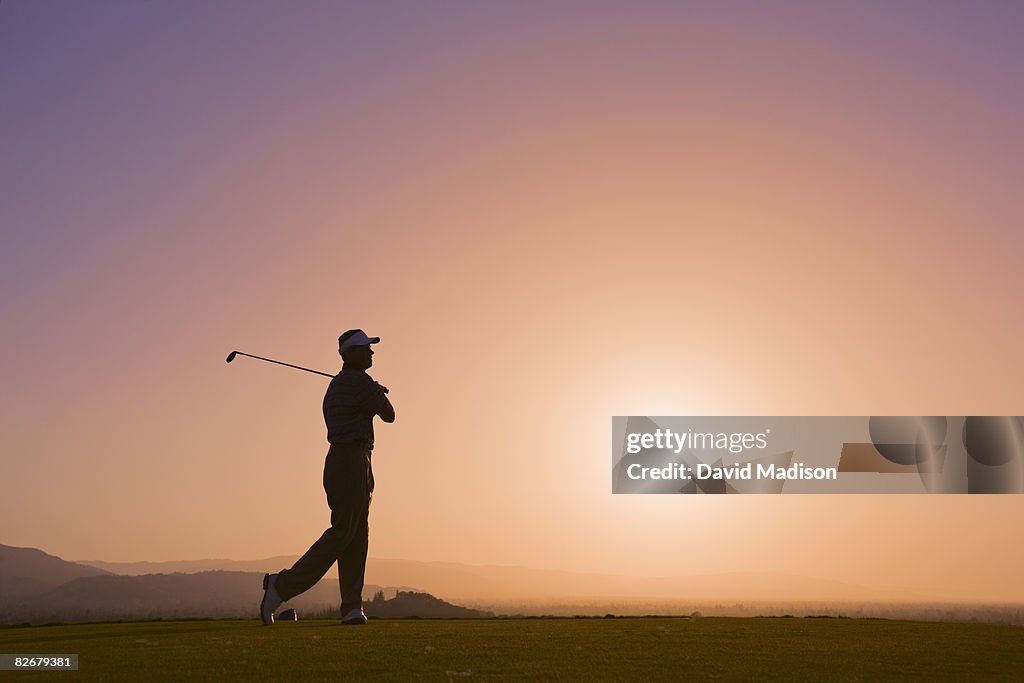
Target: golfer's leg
x=352 y=565
x=312 y=566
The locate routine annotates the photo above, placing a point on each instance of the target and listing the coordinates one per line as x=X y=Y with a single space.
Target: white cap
x=355 y=338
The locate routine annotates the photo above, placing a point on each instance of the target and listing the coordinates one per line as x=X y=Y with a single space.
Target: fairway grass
x=509 y=649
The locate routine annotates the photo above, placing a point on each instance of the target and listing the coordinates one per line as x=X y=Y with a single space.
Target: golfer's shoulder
x=354 y=381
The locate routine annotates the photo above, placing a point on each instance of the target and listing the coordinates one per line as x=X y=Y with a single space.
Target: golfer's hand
x=382 y=387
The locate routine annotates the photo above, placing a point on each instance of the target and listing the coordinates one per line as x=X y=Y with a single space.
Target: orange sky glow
x=551 y=215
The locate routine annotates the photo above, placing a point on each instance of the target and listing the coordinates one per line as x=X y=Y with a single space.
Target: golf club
x=231 y=357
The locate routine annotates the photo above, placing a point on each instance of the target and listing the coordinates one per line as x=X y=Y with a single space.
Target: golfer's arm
x=375 y=400
x=387 y=411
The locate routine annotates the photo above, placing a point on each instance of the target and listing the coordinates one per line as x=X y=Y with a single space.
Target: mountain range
x=38 y=587
x=501 y=584
x=33 y=582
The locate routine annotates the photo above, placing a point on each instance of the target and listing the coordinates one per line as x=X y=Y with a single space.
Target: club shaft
x=271 y=360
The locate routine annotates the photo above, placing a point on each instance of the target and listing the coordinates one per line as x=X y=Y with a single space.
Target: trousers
x=348 y=482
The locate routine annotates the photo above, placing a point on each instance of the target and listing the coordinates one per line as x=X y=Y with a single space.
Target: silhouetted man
x=352 y=400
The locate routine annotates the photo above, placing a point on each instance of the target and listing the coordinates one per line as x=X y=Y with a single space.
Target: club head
x=231 y=356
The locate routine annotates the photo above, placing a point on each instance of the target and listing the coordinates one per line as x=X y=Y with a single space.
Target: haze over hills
x=270 y=564
x=35 y=586
x=468 y=582
x=28 y=571
x=31 y=571
x=483 y=583
x=38 y=587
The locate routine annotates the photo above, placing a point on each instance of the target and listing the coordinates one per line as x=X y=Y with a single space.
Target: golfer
x=352 y=400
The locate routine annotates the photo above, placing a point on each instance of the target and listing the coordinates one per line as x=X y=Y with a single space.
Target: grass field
x=508 y=649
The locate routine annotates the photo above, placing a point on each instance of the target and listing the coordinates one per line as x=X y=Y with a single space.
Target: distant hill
x=25 y=572
x=413 y=604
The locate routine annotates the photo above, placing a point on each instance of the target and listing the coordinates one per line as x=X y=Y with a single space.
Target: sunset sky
x=552 y=213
